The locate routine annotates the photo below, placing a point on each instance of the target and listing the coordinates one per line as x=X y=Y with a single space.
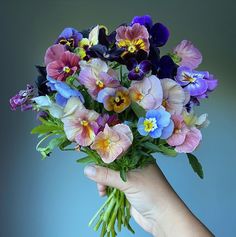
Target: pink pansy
x=184 y=139
x=96 y=76
x=54 y=53
x=112 y=142
x=174 y=96
x=147 y=92
x=133 y=38
x=187 y=54
x=65 y=66
x=80 y=123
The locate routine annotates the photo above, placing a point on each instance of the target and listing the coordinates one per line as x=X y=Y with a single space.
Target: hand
x=154 y=204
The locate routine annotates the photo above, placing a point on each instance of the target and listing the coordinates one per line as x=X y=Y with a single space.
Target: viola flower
x=191 y=119
x=110 y=120
x=69 y=37
x=96 y=75
x=184 y=139
x=174 y=96
x=147 y=93
x=159 y=34
x=80 y=125
x=166 y=67
x=45 y=103
x=67 y=65
x=64 y=91
x=186 y=54
x=112 y=142
x=156 y=124
x=192 y=81
x=23 y=99
x=132 y=38
x=138 y=70
x=86 y=43
x=114 y=99
x=54 y=53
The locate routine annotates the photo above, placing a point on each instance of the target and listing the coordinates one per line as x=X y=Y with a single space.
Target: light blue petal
x=167 y=131
x=61 y=100
x=153 y=113
x=140 y=127
x=164 y=119
x=156 y=133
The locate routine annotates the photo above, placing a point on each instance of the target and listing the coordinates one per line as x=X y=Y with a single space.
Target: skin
x=155 y=206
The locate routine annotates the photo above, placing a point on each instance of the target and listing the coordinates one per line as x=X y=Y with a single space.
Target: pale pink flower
x=80 y=123
x=112 y=142
x=96 y=75
x=174 y=96
x=188 y=54
x=147 y=92
x=184 y=139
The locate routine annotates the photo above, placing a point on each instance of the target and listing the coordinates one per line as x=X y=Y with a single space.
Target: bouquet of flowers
x=115 y=98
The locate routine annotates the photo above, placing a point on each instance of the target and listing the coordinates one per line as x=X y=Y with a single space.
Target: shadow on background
x=52 y=197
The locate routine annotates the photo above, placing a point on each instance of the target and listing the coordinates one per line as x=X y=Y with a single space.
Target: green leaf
x=197 y=167
x=85 y=160
x=138 y=110
x=169 y=151
x=123 y=174
x=42 y=129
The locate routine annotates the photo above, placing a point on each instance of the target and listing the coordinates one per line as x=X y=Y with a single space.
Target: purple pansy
x=23 y=99
x=138 y=70
x=110 y=120
x=69 y=37
x=64 y=92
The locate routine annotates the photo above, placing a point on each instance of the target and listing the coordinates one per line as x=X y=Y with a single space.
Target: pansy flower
x=86 y=43
x=174 y=96
x=69 y=37
x=96 y=75
x=156 y=124
x=114 y=99
x=110 y=120
x=159 y=34
x=64 y=91
x=184 y=139
x=65 y=66
x=80 y=125
x=23 y=99
x=147 y=92
x=112 y=142
x=137 y=71
x=54 y=53
x=132 y=38
x=195 y=82
x=186 y=54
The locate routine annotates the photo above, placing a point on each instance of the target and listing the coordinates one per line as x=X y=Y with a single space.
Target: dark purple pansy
x=197 y=83
x=137 y=71
x=166 y=67
x=23 y=99
x=104 y=53
x=159 y=34
x=110 y=120
x=70 y=37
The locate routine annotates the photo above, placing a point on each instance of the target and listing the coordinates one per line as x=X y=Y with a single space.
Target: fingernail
x=90 y=171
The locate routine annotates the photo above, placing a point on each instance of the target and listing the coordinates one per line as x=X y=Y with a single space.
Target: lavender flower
x=23 y=99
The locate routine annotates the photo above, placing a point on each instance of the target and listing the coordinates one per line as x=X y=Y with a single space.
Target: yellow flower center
x=137 y=69
x=84 y=123
x=132 y=45
x=150 y=124
x=132 y=48
x=66 y=69
x=100 y=84
x=188 y=78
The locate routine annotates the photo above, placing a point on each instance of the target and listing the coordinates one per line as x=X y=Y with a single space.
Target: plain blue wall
x=52 y=198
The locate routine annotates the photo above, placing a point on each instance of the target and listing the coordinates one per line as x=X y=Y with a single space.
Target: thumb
x=105 y=176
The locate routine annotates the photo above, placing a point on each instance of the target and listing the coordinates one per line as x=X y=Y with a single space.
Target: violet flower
x=138 y=70
x=69 y=37
x=23 y=99
x=198 y=83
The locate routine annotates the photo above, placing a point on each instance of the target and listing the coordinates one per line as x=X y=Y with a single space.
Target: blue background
x=52 y=198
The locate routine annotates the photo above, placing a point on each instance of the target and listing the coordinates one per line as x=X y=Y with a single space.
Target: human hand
x=154 y=204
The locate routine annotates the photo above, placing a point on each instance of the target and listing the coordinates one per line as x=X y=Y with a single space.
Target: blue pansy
x=64 y=91
x=156 y=124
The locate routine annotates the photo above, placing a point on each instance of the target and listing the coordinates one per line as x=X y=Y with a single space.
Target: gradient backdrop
x=52 y=198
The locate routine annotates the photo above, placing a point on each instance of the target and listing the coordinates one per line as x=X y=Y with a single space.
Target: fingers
x=105 y=176
x=101 y=189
